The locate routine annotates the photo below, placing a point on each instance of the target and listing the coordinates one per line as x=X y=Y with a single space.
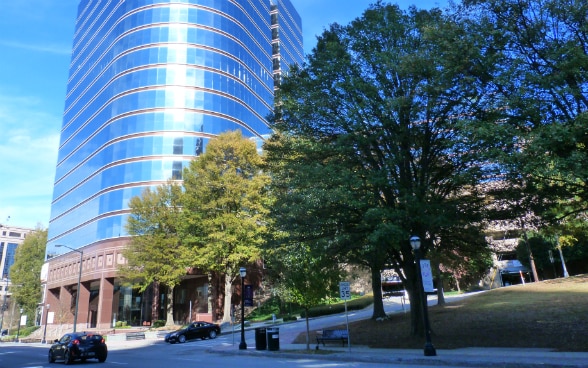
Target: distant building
x=150 y=83
x=10 y=238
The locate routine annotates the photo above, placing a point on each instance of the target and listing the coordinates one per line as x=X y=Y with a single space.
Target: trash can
x=273 y=339
x=260 y=338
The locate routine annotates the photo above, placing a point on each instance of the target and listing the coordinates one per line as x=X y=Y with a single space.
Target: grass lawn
x=547 y=314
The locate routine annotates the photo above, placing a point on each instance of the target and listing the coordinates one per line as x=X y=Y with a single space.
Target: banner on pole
x=427 y=275
x=248 y=296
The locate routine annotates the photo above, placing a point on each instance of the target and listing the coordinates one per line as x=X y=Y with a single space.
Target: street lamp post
x=6 y=280
x=45 y=329
x=75 y=322
x=18 y=330
x=243 y=344
x=415 y=243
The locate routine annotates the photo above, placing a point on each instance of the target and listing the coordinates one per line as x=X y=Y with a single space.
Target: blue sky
x=35 y=41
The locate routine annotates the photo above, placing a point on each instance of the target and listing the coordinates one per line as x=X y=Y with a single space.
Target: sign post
x=345 y=294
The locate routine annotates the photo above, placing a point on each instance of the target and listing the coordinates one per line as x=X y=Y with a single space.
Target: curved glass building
x=150 y=82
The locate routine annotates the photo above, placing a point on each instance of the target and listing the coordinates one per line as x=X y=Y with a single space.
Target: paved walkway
x=469 y=357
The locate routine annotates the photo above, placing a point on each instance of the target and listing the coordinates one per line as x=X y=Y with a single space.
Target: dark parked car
x=78 y=346
x=194 y=330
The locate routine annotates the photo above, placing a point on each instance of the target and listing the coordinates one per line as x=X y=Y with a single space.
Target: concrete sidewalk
x=468 y=357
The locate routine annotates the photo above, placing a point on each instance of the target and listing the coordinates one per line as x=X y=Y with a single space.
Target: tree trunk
x=210 y=296
x=155 y=302
x=416 y=307
x=307 y=329
x=228 y=298
x=440 y=294
x=379 y=311
x=170 y=307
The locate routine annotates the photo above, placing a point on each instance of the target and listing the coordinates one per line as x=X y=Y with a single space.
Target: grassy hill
x=548 y=314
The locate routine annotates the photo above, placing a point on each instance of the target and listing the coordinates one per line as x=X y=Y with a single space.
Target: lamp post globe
x=415 y=242
x=242 y=344
x=429 y=349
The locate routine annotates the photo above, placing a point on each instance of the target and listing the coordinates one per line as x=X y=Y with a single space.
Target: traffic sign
x=345 y=290
x=427 y=275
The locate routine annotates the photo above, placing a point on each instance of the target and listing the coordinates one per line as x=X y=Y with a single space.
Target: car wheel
x=67 y=358
x=182 y=339
x=83 y=360
x=212 y=334
x=51 y=357
x=102 y=358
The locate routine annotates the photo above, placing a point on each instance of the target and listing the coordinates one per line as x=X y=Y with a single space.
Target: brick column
x=63 y=307
x=83 y=307
x=105 y=303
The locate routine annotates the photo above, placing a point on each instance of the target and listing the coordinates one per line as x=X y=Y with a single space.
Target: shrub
x=289 y=318
x=158 y=323
x=26 y=331
x=355 y=304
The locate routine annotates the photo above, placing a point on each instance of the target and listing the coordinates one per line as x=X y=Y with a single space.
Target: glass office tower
x=150 y=82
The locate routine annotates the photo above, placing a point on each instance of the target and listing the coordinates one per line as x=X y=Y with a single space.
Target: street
x=156 y=354
x=191 y=354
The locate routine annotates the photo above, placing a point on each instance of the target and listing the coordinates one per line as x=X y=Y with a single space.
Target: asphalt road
x=158 y=355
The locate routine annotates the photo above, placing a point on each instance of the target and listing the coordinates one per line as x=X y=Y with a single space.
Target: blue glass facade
x=150 y=82
x=287 y=46
x=7 y=257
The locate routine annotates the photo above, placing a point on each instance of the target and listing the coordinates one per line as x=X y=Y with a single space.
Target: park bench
x=331 y=335
x=30 y=340
x=139 y=335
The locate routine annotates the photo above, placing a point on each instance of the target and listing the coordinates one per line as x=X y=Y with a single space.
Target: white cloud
x=28 y=152
x=53 y=49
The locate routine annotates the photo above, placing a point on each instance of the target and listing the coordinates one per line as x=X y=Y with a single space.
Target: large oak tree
x=394 y=125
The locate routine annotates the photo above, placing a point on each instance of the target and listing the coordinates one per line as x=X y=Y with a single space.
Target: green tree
x=397 y=125
x=25 y=273
x=302 y=277
x=226 y=203
x=156 y=255
x=544 y=81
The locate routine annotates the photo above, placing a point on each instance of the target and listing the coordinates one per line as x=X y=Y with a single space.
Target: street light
x=45 y=330
x=243 y=344
x=75 y=322
x=19 y=320
x=415 y=243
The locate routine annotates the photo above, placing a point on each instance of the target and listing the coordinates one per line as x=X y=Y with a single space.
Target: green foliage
x=158 y=323
x=26 y=331
x=540 y=248
x=543 y=80
x=155 y=252
x=303 y=278
x=225 y=206
x=387 y=132
x=25 y=273
x=326 y=309
x=121 y=324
